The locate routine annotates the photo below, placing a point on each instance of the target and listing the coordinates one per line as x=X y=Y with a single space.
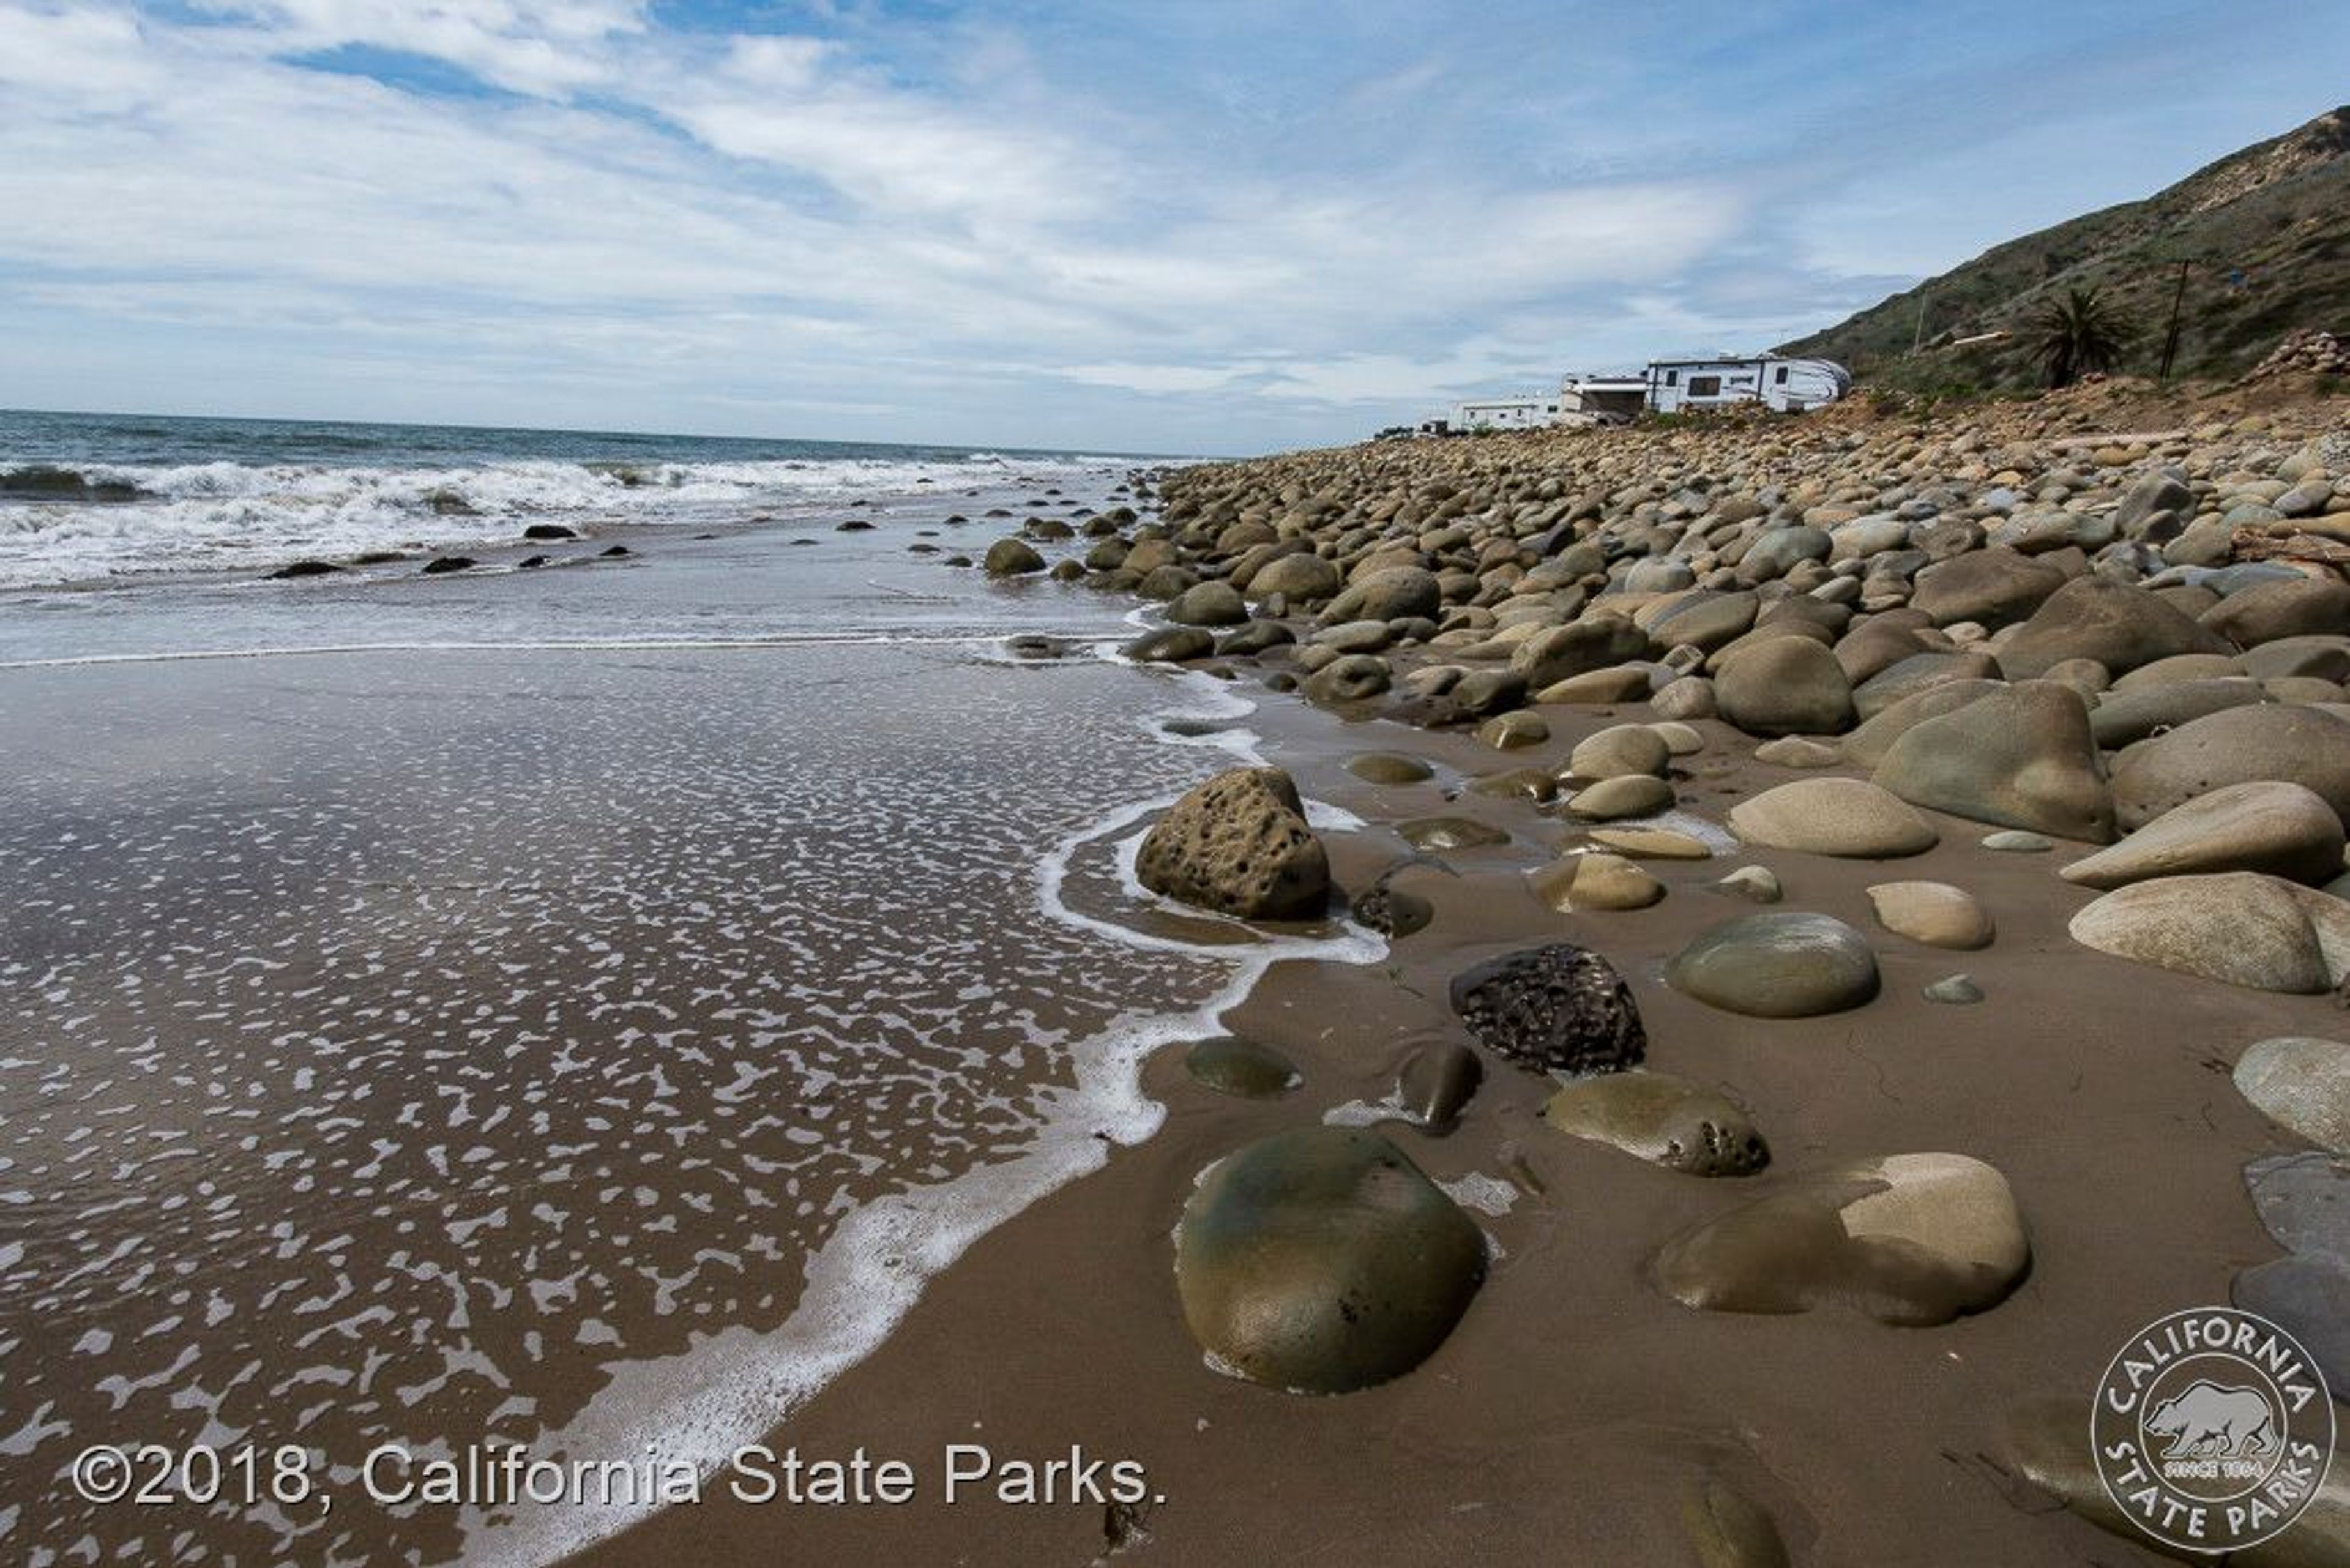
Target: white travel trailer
x=1606 y=397
x=1789 y=386
x=1505 y=413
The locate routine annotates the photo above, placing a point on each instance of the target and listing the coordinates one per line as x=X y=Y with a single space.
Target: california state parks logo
x=2213 y=1429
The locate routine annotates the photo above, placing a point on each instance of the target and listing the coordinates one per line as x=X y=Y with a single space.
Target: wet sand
x=1575 y=1412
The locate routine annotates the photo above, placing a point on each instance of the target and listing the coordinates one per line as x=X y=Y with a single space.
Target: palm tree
x=2077 y=334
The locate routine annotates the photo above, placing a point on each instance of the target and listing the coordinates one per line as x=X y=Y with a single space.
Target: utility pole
x=2171 y=338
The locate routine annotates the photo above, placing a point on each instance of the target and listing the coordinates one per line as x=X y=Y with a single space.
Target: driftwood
x=2252 y=545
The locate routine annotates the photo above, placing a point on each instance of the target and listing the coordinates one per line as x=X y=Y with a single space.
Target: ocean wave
x=158 y=518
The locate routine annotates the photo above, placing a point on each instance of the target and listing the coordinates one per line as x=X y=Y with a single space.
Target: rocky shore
x=2083 y=659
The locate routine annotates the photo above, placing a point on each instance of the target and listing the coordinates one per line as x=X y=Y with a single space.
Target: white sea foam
x=733 y=1387
x=218 y=515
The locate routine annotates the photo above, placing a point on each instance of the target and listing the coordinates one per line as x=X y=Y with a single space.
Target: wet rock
x=2018 y=757
x=1956 y=990
x=1727 y=1528
x=1241 y=1068
x=1353 y=678
x=1612 y=800
x=441 y=565
x=1595 y=882
x=1777 y=965
x=1441 y=833
x=1393 y=911
x=1560 y=1008
x=1513 y=731
x=1388 y=768
x=2234 y=926
x=1256 y=636
x=1012 y=559
x=1849 y=817
x=1238 y=843
x=1512 y=784
x=2016 y=841
x=1618 y=750
x=1785 y=686
x=1436 y=1084
x=1934 y=913
x=530 y=563
x=1662 y=1119
x=853 y=525
x=1912 y=1239
x=2300 y=745
x=300 y=569
x=1171 y=645
x=549 y=531
x=2277 y=828
x=2302 y=1083
x=1322 y=1261
x=1212 y=603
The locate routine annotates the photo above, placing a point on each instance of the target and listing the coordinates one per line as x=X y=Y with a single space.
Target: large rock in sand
x=1238 y=844
x=1934 y=913
x=1322 y=1261
x=2302 y=1083
x=2261 y=932
x=1559 y=1008
x=1849 y=817
x=2022 y=757
x=1785 y=686
x=1992 y=588
x=2267 y=825
x=1912 y=1239
x=1212 y=603
x=1299 y=578
x=2119 y=626
x=1777 y=965
x=2301 y=608
x=1593 y=642
x=1392 y=593
x=1662 y=1119
x=2239 y=745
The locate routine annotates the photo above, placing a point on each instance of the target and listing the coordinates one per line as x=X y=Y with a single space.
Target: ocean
x=572 y=1006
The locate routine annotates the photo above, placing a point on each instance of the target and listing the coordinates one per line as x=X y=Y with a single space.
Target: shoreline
x=2096 y=1085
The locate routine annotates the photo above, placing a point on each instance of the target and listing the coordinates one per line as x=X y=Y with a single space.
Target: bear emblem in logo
x=2208 y=1422
x=2212 y=1431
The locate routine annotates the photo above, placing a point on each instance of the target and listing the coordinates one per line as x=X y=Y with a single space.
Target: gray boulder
x=1593 y=643
x=2301 y=745
x=1850 y=817
x=2261 y=932
x=2018 y=757
x=1392 y=593
x=2267 y=825
x=2119 y=626
x=1785 y=686
x=1212 y=603
x=1992 y=588
x=2302 y=1083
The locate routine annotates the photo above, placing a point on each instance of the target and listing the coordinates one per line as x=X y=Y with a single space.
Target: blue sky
x=1212 y=226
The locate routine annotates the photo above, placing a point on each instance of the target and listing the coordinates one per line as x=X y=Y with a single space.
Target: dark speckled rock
x=1559 y=1007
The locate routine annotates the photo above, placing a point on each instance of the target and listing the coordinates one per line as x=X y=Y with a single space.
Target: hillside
x=2264 y=235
